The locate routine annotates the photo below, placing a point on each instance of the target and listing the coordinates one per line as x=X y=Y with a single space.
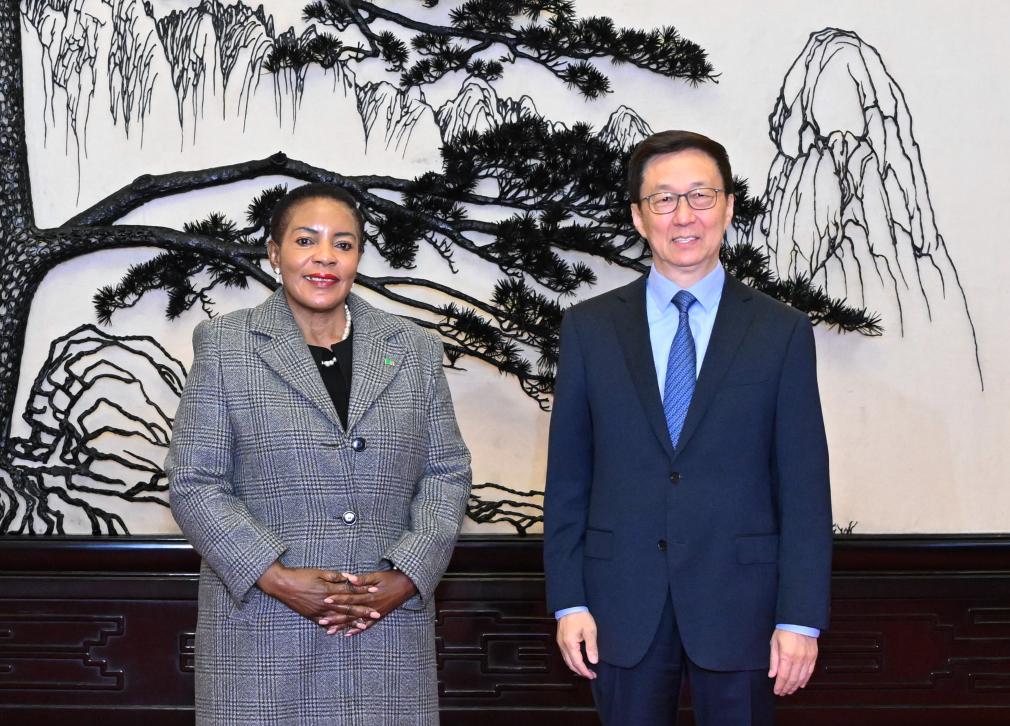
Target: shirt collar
x=707 y=291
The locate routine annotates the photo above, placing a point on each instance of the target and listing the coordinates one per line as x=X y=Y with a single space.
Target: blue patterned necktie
x=680 y=370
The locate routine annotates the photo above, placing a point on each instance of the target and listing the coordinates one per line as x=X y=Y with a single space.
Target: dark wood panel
x=499 y=555
x=100 y=630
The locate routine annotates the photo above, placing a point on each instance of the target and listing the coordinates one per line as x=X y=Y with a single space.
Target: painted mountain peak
x=847 y=200
x=624 y=129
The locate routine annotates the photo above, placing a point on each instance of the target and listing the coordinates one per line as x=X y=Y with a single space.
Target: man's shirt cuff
x=802 y=630
x=568 y=611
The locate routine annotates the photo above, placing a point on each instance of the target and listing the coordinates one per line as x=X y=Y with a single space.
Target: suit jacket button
x=358 y=443
x=662 y=545
x=349 y=517
x=675 y=477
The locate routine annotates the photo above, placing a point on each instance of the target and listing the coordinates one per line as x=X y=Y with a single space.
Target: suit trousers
x=648 y=693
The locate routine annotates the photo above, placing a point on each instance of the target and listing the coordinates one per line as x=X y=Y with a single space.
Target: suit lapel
x=731 y=323
x=284 y=350
x=377 y=357
x=632 y=325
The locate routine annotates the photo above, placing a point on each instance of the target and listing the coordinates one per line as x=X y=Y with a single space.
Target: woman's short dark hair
x=669 y=142
x=281 y=215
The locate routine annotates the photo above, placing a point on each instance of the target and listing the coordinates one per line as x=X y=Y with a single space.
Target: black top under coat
x=337 y=377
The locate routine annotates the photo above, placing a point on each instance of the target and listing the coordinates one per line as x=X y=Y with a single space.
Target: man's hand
x=575 y=629
x=303 y=589
x=385 y=591
x=792 y=661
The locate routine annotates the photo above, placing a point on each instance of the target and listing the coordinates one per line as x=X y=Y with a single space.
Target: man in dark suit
x=688 y=514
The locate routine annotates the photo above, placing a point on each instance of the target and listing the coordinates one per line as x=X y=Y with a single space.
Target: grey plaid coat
x=260 y=468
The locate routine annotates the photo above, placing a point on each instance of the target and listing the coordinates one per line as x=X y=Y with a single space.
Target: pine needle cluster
x=482 y=36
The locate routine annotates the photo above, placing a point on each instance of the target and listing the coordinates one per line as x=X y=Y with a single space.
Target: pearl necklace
x=347 y=332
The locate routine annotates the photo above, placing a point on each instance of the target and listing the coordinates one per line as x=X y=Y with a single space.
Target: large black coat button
x=675 y=477
x=358 y=443
x=662 y=545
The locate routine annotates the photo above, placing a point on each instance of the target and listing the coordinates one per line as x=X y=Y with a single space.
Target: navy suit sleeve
x=803 y=491
x=569 y=475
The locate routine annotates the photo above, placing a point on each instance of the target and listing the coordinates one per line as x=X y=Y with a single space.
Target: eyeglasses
x=698 y=199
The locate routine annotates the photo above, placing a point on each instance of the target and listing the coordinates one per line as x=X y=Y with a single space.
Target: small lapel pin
x=388 y=362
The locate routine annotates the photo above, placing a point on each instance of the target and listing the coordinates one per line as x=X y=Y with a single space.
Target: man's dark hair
x=668 y=142
x=282 y=210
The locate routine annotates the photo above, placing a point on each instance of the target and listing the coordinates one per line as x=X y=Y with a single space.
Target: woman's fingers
x=355 y=611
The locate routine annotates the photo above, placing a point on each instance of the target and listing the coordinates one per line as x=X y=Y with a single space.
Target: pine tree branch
x=60 y=244
x=563 y=46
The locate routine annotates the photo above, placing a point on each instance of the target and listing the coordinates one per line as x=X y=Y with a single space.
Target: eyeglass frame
x=648 y=199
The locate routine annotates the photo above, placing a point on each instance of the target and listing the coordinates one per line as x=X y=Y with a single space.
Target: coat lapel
x=632 y=325
x=284 y=350
x=731 y=323
x=378 y=356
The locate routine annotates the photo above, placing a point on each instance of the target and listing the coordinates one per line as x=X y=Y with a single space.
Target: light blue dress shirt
x=663 y=319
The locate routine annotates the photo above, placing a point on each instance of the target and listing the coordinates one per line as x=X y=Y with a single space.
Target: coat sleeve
x=569 y=476
x=439 y=503
x=803 y=490
x=199 y=467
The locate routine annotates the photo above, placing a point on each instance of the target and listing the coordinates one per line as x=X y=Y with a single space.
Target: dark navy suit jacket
x=735 y=524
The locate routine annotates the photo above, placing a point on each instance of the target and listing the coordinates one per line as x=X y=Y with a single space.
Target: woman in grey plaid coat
x=325 y=499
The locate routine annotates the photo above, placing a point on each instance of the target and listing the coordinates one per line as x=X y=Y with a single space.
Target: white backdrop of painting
x=869 y=130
